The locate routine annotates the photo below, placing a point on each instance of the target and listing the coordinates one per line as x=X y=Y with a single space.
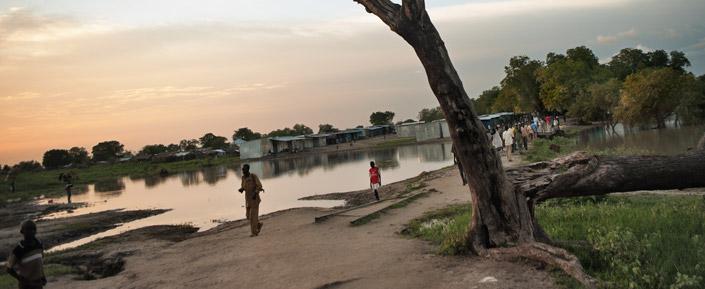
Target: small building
x=408 y=129
x=291 y=144
x=423 y=131
x=239 y=141
x=256 y=148
x=318 y=140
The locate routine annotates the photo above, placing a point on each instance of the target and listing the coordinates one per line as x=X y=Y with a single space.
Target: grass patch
x=33 y=184
x=445 y=227
x=642 y=241
x=540 y=149
x=645 y=241
x=396 y=142
x=398 y=205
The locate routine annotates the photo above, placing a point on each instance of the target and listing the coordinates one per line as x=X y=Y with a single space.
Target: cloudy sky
x=76 y=72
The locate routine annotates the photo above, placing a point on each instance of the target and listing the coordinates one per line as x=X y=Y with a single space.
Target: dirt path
x=293 y=252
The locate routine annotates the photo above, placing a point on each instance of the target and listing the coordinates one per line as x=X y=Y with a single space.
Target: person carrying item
x=375 y=179
x=497 y=139
x=25 y=263
x=252 y=187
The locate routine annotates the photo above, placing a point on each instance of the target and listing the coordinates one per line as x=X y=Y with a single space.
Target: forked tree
x=503 y=223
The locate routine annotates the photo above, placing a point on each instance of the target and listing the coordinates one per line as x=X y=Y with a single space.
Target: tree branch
x=414 y=10
x=386 y=10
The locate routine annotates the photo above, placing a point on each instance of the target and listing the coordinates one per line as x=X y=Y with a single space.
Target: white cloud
x=609 y=39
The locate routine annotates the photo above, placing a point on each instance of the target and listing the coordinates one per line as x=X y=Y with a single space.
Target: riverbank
x=295 y=252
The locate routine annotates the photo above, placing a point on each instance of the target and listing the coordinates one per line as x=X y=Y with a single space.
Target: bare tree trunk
x=500 y=216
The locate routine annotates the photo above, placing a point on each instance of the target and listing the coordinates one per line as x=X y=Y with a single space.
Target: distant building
x=423 y=131
x=255 y=148
x=239 y=141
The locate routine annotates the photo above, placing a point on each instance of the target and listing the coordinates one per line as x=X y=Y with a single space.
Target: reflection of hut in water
x=435 y=153
x=190 y=178
x=212 y=175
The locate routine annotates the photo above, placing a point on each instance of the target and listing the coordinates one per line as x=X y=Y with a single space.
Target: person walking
x=252 y=186
x=25 y=263
x=67 y=178
x=508 y=137
x=10 y=179
x=525 y=134
x=375 y=179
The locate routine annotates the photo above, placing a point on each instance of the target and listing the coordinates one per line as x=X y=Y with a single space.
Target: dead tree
x=503 y=223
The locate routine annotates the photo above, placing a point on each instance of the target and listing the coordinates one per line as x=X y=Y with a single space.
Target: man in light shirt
x=508 y=137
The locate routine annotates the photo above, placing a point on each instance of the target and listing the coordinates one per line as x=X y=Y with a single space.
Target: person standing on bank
x=375 y=179
x=67 y=178
x=25 y=262
x=252 y=187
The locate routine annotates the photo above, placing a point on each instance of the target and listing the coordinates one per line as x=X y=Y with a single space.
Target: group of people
x=516 y=137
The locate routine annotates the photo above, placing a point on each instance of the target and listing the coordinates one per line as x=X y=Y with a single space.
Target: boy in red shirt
x=375 y=179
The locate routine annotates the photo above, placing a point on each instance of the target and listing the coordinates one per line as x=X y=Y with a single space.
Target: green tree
x=565 y=79
x=246 y=134
x=599 y=103
x=506 y=101
x=153 y=149
x=27 y=166
x=405 y=121
x=327 y=128
x=173 y=147
x=302 y=129
x=188 y=144
x=691 y=107
x=212 y=141
x=431 y=114
x=78 y=155
x=107 y=151
x=381 y=118
x=628 y=61
x=658 y=58
x=56 y=158
x=521 y=78
x=483 y=104
x=650 y=96
x=679 y=61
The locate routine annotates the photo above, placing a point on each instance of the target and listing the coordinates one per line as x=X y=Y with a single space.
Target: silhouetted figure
x=252 y=187
x=67 y=178
x=375 y=179
x=25 y=263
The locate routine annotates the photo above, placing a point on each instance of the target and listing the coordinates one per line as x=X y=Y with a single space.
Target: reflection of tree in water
x=153 y=181
x=213 y=175
x=192 y=178
x=112 y=186
x=335 y=159
x=79 y=189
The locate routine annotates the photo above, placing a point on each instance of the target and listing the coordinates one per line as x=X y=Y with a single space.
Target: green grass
x=50 y=270
x=396 y=142
x=643 y=241
x=33 y=184
x=445 y=227
x=540 y=149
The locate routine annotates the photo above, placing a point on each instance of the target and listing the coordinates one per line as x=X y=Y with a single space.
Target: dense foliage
x=635 y=87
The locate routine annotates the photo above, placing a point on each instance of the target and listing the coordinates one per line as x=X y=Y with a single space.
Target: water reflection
x=669 y=141
x=201 y=196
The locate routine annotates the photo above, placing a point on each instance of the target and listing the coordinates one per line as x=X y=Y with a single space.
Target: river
x=208 y=197
x=669 y=141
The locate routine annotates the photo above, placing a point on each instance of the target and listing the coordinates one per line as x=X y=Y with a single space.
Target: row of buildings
x=423 y=131
x=291 y=144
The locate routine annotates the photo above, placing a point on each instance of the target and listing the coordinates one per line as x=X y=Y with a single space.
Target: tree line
x=635 y=87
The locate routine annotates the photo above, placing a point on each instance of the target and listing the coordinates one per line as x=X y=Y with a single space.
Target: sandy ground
x=293 y=252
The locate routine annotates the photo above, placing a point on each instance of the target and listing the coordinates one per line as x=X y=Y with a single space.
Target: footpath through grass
x=640 y=241
x=33 y=184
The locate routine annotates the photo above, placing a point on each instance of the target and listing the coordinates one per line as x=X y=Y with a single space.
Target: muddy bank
x=105 y=257
x=53 y=232
x=393 y=190
x=13 y=214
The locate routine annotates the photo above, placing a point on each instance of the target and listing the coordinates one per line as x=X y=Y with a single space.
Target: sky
x=75 y=73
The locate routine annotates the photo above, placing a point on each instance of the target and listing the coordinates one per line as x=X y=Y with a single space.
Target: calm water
x=209 y=196
x=669 y=141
